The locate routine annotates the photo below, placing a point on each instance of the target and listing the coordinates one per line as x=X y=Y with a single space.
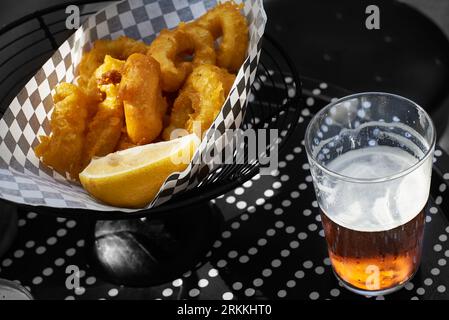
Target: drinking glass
x=371 y=157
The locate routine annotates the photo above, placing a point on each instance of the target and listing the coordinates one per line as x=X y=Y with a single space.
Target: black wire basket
x=274 y=103
x=182 y=230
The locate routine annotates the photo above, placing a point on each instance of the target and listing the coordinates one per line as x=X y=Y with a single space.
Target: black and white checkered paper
x=25 y=180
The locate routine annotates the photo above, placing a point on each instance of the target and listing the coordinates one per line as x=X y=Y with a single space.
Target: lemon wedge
x=131 y=178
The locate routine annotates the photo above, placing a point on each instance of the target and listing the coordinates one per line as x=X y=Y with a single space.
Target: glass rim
x=369 y=180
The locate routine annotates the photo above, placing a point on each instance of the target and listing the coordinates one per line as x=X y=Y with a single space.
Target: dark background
x=437 y=10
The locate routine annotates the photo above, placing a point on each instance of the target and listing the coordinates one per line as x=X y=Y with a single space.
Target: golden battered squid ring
x=120 y=48
x=203 y=44
x=226 y=21
x=200 y=100
x=142 y=98
x=166 y=49
x=170 y=46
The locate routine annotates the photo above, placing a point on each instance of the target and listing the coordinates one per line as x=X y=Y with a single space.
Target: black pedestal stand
x=146 y=251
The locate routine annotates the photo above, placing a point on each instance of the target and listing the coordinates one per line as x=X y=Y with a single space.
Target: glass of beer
x=371 y=157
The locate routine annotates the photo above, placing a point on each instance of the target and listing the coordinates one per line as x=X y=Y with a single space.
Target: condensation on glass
x=371 y=156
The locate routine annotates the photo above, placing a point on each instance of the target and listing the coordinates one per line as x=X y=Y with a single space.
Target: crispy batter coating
x=120 y=48
x=203 y=44
x=200 y=99
x=118 y=103
x=167 y=49
x=62 y=150
x=171 y=47
x=124 y=142
x=226 y=21
x=144 y=105
x=106 y=126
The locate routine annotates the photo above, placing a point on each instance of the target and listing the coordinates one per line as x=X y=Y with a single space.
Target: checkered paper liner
x=25 y=180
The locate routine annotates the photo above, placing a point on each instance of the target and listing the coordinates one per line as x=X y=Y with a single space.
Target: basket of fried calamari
x=121 y=115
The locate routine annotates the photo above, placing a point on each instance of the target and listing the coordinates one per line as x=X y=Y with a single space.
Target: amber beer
x=374 y=230
x=370 y=157
x=375 y=260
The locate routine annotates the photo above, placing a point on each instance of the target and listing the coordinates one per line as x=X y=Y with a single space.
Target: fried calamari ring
x=167 y=49
x=141 y=94
x=62 y=150
x=203 y=44
x=170 y=46
x=200 y=100
x=120 y=48
x=226 y=21
x=106 y=126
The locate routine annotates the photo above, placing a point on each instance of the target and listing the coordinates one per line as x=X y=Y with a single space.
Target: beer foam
x=380 y=205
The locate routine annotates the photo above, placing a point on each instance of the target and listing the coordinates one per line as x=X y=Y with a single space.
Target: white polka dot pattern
x=272 y=247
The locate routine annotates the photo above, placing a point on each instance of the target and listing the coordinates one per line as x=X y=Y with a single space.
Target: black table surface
x=271 y=246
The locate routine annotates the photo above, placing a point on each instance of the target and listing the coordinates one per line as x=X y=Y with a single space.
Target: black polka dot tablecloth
x=272 y=244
